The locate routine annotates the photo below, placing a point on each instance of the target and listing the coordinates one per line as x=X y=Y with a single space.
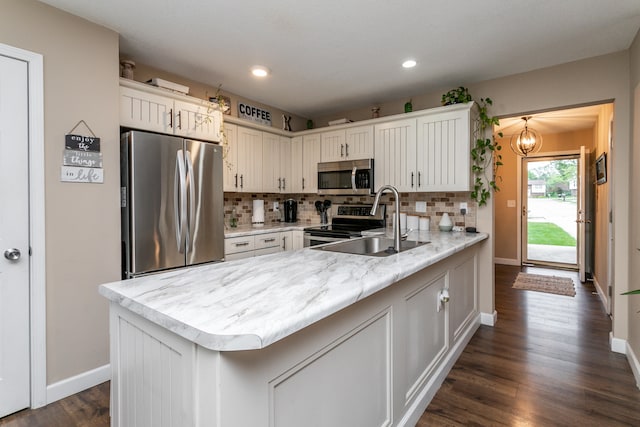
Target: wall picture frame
x=601 y=169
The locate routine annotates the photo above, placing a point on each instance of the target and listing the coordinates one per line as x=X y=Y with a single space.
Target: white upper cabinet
x=295 y=182
x=310 y=159
x=271 y=178
x=347 y=144
x=285 y=165
x=230 y=158
x=305 y=155
x=429 y=152
x=395 y=155
x=443 y=152
x=148 y=108
x=142 y=110
x=359 y=142
x=249 y=160
x=197 y=120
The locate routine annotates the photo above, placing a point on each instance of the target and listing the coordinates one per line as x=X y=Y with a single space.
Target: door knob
x=12 y=254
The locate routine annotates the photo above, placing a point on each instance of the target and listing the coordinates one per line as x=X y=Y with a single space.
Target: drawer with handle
x=267 y=240
x=234 y=245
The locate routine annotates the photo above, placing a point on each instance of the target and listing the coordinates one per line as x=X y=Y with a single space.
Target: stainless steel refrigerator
x=172 y=202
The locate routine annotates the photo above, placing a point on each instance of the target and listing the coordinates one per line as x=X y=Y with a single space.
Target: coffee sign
x=254 y=114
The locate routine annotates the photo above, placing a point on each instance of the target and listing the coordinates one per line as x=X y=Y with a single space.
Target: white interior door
x=14 y=237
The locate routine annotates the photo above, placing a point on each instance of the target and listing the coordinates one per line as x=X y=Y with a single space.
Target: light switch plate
x=511 y=203
x=421 y=206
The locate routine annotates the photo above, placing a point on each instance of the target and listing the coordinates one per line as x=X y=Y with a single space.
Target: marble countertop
x=251 y=303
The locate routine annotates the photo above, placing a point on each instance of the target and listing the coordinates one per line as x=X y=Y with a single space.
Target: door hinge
x=30 y=252
x=610 y=290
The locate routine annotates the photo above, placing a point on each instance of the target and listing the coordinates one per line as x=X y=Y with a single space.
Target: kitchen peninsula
x=307 y=337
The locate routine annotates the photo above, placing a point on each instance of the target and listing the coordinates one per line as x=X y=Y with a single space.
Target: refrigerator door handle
x=180 y=204
x=192 y=199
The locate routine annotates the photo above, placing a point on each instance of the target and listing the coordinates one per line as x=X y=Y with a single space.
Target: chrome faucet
x=396 y=228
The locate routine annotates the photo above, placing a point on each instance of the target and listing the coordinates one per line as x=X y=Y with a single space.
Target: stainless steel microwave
x=346 y=177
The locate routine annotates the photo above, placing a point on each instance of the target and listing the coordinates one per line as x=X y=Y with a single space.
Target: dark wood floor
x=545 y=363
x=89 y=408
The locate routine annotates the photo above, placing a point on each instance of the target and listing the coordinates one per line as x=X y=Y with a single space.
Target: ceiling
x=333 y=55
x=567 y=120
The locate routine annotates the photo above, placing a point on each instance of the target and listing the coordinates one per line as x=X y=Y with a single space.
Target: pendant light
x=528 y=141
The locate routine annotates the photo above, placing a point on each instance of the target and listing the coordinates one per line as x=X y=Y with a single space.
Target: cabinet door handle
x=341 y=150
x=279 y=183
x=171 y=118
x=242 y=244
x=303 y=183
x=284 y=245
x=241 y=181
x=236 y=180
x=284 y=184
x=419 y=184
x=346 y=151
x=179 y=119
x=411 y=179
x=270 y=240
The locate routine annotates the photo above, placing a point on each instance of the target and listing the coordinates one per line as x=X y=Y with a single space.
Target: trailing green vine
x=485 y=152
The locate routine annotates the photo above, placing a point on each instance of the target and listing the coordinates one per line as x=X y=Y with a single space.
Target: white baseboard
x=489 y=319
x=506 y=261
x=635 y=365
x=617 y=345
x=601 y=294
x=80 y=382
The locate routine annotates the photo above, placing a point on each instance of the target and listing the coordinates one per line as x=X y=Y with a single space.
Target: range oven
x=346 y=177
x=347 y=222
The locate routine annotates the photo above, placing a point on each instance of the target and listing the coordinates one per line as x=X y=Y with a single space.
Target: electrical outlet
x=421 y=206
x=463 y=205
x=276 y=206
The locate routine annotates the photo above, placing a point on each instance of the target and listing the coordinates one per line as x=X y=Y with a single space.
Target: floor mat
x=548 y=284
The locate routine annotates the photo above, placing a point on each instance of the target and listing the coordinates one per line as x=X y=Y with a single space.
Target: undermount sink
x=372 y=246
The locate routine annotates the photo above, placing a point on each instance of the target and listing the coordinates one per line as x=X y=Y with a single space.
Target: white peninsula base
x=378 y=362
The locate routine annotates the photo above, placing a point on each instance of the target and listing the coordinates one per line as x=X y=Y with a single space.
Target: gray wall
x=82 y=220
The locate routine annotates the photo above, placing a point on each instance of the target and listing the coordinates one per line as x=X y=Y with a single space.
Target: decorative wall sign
x=74 y=174
x=89 y=159
x=82 y=159
x=254 y=114
x=82 y=143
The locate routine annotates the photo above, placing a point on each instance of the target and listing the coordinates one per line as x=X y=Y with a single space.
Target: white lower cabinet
x=298 y=239
x=377 y=362
x=262 y=244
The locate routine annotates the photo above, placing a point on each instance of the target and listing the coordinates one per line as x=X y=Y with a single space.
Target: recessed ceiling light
x=409 y=63
x=259 y=71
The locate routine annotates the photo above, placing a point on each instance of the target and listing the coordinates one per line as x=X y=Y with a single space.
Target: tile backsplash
x=437 y=205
